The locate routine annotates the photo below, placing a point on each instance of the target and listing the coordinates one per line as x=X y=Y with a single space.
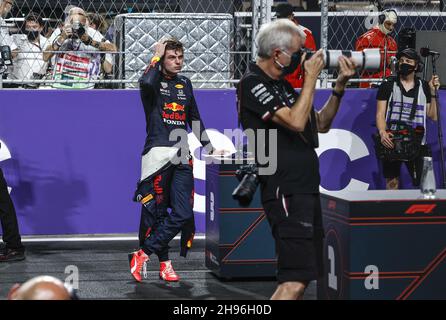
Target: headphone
x=382 y=15
x=419 y=67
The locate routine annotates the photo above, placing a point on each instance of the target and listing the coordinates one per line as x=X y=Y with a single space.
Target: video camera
x=368 y=59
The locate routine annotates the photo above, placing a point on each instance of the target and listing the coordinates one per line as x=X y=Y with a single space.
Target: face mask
x=295 y=62
x=32 y=35
x=406 y=69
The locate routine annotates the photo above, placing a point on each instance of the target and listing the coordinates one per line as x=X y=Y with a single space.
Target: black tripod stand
x=440 y=130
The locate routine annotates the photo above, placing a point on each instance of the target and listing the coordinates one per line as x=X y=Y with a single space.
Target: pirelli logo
x=421 y=208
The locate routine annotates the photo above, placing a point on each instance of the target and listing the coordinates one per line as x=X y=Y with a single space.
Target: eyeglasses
x=285 y=53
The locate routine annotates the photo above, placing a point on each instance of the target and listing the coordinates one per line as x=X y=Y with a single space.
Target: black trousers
x=8 y=218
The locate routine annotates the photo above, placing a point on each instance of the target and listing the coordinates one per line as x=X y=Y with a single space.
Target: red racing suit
x=375 y=38
x=296 y=79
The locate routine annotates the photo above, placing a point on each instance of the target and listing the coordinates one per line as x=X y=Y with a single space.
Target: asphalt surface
x=103 y=273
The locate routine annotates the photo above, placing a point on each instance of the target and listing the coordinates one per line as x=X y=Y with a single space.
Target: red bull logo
x=174 y=116
x=175 y=107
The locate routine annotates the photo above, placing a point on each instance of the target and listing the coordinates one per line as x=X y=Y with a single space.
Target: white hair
x=276 y=34
x=76 y=10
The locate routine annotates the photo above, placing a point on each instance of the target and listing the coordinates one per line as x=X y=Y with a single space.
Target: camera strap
x=415 y=100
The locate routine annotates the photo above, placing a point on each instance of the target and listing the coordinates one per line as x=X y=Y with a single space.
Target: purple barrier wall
x=72 y=158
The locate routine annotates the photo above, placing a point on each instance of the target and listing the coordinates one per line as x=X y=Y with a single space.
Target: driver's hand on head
x=160 y=48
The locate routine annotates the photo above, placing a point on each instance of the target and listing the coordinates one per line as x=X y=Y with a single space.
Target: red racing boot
x=137 y=262
x=167 y=272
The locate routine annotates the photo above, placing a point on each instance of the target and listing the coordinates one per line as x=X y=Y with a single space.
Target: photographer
x=290 y=196
x=29 y=63
x=78 y=44
x=403 y=104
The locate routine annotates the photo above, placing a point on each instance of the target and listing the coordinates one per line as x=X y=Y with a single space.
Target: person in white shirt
x=77 y=59
x=29 y=63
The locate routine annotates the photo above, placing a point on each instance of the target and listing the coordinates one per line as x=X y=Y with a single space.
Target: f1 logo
x=421 y=208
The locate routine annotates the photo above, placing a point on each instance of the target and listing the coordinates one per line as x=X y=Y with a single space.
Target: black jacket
x=169 y=104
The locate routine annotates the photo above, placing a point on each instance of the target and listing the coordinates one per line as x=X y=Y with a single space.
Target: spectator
x=77 y=59
x=42 y=288
x=285 y=11
x=110 y=34
x=29 y=63
x=97 y=22
x=379 y=37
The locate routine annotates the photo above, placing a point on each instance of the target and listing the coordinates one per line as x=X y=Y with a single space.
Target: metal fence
x=343 y=22
x=336 y=26
x=54 y=13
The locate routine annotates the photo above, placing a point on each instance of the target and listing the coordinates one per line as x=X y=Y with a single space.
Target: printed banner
x=72 y=158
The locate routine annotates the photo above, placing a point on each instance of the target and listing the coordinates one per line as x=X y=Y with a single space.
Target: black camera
x=5 y=56
x=78 y=29
x=249 y=180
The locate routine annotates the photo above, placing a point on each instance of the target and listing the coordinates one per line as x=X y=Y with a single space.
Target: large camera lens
x=368 y=59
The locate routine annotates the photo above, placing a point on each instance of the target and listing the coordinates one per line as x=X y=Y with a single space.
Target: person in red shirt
x=285 y=11
x=379 y=37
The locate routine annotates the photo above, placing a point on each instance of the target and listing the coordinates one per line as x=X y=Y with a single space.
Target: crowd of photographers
x=74 y=51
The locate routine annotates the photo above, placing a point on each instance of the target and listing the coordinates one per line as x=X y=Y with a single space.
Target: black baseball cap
x=409 y=53
x=284 y=10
